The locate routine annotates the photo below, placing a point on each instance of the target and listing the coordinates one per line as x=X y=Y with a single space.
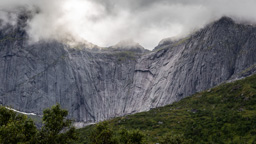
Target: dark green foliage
x=15 y=128
x=57 y=129
x=131 y=137
x=6 y=115
x=225 y=114
x=102 y=134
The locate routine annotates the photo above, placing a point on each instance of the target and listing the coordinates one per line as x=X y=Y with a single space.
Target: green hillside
x=225 y=114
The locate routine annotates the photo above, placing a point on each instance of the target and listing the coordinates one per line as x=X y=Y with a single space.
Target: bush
x=57 y=129
x=102 y=134
x=131 y=137
x=16 y=128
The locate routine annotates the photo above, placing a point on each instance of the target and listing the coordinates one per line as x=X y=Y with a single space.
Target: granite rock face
x=95 y=85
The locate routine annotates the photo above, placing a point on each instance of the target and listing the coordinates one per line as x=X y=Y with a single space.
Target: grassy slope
x=225 y=114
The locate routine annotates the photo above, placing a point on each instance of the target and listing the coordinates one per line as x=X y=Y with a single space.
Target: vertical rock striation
x=99 y=84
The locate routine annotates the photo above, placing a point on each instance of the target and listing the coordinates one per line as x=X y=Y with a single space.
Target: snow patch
x=20 y=111
x=81 y=124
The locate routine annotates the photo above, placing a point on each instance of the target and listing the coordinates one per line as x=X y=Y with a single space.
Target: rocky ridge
x=95 y=85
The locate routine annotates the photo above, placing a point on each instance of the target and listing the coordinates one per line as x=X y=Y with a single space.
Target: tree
x=102 y=134
x=131 y=137
x=57 y=129
x=15 y=128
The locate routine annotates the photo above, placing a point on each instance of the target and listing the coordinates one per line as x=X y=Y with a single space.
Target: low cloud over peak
x=106 y=22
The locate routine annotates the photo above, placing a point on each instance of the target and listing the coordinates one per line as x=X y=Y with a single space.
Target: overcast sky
x=106 y=22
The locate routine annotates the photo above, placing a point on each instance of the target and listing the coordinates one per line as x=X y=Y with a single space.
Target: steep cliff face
x=99 y=84
x=220 y=52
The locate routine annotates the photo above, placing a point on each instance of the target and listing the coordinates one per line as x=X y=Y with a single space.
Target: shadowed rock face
x=97 y=85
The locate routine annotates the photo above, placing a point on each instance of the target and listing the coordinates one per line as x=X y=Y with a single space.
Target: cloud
x=106 y=22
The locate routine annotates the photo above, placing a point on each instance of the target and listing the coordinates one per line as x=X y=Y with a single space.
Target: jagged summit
x=128 y=45
x=166 y=41
x=225 y=20
x=95 y=86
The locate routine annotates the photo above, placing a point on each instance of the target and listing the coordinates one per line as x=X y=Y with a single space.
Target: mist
x=106 y=22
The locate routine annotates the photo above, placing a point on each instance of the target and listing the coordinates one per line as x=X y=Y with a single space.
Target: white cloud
x=106 y=22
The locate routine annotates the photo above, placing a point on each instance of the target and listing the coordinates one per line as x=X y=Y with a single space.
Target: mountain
x=224 y=114
x=98 y=84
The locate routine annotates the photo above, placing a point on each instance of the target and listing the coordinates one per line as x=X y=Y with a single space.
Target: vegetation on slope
x=225 y=114
x=19 y=129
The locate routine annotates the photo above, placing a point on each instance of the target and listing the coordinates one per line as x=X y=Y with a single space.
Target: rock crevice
x=95 y=85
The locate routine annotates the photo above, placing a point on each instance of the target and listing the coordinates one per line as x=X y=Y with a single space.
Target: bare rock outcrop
x=95 y=85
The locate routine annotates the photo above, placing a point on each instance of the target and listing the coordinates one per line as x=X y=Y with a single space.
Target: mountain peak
x=224 y=20
x=129 y=45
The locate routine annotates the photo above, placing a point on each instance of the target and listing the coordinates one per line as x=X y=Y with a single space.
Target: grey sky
x=106 y=22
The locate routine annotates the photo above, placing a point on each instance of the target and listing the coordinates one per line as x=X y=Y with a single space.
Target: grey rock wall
x=95 y=85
